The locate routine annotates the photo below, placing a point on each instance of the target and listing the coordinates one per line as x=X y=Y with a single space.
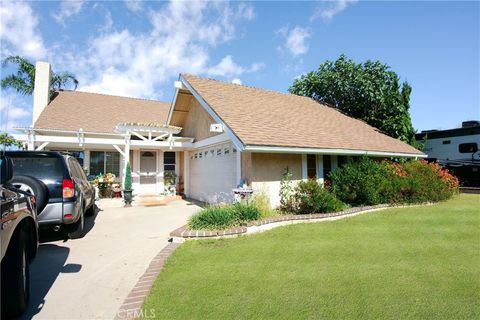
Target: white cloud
x=14 y=111
x=295 y=40
x=68 y=8
x=181 y=37
x=236 y=81
x=328 y=9
x=18 y=28
x=228 y=67
x=134 y=5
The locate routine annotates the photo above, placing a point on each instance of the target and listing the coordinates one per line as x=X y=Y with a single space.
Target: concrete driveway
x=90 y=277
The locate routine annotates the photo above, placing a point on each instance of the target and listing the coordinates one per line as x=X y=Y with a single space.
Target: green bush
x=310 y=197
x=369 y=182
x=363 y=182
x=244 y=212
x=223 y=217
x=427 y=182
x=262 y=201
x=213 y=218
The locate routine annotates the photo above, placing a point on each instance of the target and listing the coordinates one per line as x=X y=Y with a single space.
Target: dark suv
x=63 y=194
x=19 y=242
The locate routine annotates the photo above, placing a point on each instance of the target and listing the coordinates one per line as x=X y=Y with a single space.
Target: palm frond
x=63 y=79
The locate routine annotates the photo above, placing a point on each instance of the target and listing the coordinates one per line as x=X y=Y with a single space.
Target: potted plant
x=170 y=178
x=127 y=190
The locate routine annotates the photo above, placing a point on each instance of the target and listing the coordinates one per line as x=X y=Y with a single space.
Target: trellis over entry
x=126 y=136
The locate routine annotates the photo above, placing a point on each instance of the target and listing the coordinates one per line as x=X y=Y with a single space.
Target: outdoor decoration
x=117 y=190
x=104 y=184
x=169 y=178
x=127 y=191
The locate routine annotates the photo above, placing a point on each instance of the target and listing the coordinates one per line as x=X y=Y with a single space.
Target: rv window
x=446 y=141
x=468 y=147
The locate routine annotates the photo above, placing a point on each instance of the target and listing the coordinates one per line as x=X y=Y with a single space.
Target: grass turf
x=417 y=262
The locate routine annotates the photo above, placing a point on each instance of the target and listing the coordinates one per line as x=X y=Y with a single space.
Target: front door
x=148 y=169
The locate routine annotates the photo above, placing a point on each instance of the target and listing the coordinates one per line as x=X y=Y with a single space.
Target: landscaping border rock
x=181 y=234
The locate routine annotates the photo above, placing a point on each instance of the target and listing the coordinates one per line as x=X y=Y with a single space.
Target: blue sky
x=137 y=49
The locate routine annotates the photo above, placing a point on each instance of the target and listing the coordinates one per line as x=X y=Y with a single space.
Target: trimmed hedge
x=369 y=182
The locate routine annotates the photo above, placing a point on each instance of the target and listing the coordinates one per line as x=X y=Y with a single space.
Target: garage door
x=213 y=173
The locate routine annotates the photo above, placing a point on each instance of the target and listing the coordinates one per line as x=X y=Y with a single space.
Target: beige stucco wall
x=266 y=172
x=197 y=122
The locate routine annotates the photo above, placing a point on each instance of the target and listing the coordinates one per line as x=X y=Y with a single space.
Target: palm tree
x=23 y=82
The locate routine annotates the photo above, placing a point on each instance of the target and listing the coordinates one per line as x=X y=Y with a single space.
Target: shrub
x=262 y=202
x=213 y=218
x=369 y=182
x=363 y=182
x=428 y=182
x=286 y=191
x=222 y=217
x=310 y=197
x=244 y=212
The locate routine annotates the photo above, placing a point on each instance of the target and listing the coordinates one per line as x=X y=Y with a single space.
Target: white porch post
x=239 y=166
x=304 y=167
x=186 y=173
x=320 y=176
x=160 y=172
x=31 y=140
x=136 y=170
x=126 y=157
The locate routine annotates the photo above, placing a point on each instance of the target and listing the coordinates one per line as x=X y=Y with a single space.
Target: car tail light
x=68 y=215
x=68 y=187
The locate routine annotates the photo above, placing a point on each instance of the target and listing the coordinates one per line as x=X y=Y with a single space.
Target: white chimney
x=41 y=90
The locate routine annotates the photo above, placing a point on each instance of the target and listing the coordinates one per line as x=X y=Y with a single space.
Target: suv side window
x=79 y=174
x=80 y=171
x=73 y=169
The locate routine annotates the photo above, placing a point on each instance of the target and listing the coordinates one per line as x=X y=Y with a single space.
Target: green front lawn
x=418 y=262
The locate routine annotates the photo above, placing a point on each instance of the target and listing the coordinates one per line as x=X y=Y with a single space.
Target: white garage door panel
x=212 y=177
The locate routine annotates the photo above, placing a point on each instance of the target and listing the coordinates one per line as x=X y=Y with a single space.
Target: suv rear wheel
x=79 y=228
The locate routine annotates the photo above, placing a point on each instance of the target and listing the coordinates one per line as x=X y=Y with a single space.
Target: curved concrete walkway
x=89 y=278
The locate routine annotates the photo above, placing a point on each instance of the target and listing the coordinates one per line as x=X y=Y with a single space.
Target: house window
x=226 y=150
x=311 y=166
x=169 y=161
x=102 y=162
x=342 y=160
x=219 y=151
x=327 y=165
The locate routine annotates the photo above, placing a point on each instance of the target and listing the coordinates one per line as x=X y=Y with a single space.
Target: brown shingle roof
x=72 y=110
x=271 y=118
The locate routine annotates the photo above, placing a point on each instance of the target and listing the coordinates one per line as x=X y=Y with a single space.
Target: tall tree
x=24 y=80
x=7 y=140
x=369 y=91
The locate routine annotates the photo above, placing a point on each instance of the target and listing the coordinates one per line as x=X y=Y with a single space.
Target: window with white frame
x=169 y=161
x=102 y=162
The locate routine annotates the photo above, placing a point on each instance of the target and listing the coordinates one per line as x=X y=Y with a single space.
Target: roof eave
x=332 y=151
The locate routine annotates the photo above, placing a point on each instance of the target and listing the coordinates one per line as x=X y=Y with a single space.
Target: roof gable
x=261 y=117
x=72 y=110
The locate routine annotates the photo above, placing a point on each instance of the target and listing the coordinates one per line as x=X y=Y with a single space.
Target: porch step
x=152 y=200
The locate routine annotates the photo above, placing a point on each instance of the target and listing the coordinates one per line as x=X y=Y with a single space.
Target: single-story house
x=215 y=136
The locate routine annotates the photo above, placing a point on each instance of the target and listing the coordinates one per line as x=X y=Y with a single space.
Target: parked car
x=19 y=242
x=63 y=194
